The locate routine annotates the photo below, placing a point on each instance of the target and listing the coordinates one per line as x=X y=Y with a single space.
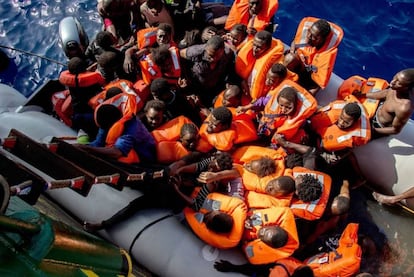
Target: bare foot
x=383 y=199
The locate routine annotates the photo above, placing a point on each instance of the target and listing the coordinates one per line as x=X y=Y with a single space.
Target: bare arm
x=382 y=94
x=183 y=53
x=209 y=177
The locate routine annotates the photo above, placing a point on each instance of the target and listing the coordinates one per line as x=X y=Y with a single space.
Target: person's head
x=308 y=188
x=109 y=60
x=77 y=65
x=207 y=33
x=219 y=120
x=164 y=34
x=261 y=43
x=261 y=167
x=349 y=114
x=154 y=113
x=340 y=205
x=255 y=6
x=276 y=74
x=107 y=115
x=403 y=81
x=155 y=6
x=218 y=222
x=318 y=33
x=287 y=99
x=273 y=236
x=104 y=39
x=161 y=90
x=214 y=49
x=189 y=136
x=162 y=57
x=232 y=96
x=221 y=161
x=111 y=92
x=237 y=34
x=280 y=186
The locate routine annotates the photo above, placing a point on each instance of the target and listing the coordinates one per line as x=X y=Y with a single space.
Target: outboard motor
x=72 y=37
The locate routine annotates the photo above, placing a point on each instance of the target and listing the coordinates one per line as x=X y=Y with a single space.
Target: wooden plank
x=15 y=174
x=129 y=175
x=105 y=172
x=48 y=162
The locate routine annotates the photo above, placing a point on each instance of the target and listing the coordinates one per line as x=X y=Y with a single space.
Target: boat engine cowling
x=72 y=37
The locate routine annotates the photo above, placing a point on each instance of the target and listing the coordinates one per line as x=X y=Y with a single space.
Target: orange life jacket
x=61 y=102
x=256 y=200
x=311 y=210
x=170 y=151
x=146 y=37
x=343 y=261
x=241 y=130
x=285 y=267
x=82 y=80
x=126 y=87
x=125 y=102
x=334 y=138
x=255 y=70
x=170 y=130
x=251 y=181
x=305 y=107
x=256 y=251
x=239 y=13
x=320 y=61
x=246 y=154
x=359 y=84
x=150 y=71
x=227 y=204
x=218 y=102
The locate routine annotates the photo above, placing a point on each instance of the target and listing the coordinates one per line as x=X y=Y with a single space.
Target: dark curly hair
x=287 y=184
x=324 y=27
x=224 y=160
x=310 y=189
x=221 y=223
x=279 y=69
x=223 y=115
x=188 y=128
x=104 y=39
x=155 y=104
x=267 y=166
x=353 y=110
x=279 y=238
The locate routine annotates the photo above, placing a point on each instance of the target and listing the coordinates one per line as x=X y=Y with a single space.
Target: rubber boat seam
x=146 y=227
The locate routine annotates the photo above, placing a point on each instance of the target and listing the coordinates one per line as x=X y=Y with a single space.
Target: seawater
x=378 y=38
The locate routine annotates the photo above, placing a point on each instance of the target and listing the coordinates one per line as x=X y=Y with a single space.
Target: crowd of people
x=206 y=96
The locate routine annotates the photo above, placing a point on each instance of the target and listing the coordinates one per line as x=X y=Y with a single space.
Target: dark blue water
x=378 y=39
